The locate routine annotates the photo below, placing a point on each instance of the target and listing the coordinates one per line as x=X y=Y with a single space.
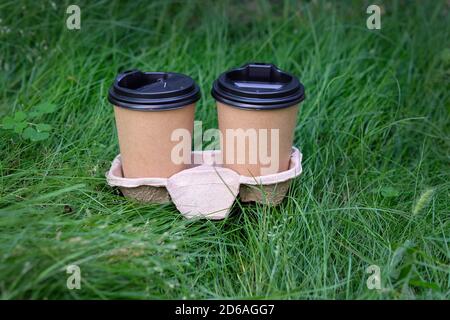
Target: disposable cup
x=154 y=113
x=257 y=107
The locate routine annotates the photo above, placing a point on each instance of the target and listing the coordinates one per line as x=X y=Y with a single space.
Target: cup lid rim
x=259 y=86
x=153 y=91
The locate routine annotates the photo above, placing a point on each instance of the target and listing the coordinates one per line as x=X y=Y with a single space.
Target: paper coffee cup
x=153 y=110
x=257 y=108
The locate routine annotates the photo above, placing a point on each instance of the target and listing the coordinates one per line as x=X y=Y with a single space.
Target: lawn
x=374 y=131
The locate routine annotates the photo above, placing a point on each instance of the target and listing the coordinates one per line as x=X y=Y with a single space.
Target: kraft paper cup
x=154 y=111
x=257 y=107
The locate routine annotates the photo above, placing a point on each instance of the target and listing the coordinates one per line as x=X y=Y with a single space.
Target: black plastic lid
x=258 y=86
x=153 y=91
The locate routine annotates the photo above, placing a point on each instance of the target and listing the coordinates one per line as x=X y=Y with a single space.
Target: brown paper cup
x=145 y=140
x=154 y=114
x=257 y=106
x=251 y=137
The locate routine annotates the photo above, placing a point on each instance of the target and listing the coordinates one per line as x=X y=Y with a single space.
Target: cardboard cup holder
x=206 y=189
x=150 y=106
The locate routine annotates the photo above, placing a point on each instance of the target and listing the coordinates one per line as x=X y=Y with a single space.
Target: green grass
x=374 y=131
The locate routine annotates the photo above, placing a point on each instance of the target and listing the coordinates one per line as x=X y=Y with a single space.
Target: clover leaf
x=45 y=107
x=25 y=124
x=20 y=126
x=43 y=127
x=33 y=135
x=8 y=123
x=15 y=123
